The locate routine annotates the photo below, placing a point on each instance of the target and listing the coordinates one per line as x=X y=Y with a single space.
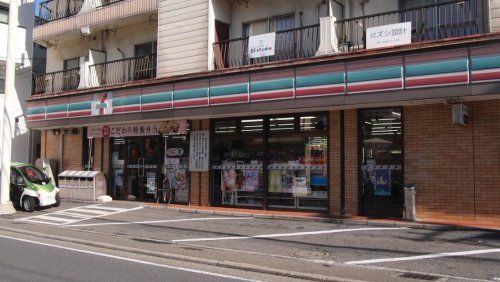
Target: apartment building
x=328 y=106
x=23 y=140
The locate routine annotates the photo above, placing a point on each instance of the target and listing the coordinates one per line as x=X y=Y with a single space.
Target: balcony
x=430 y=22
x=61 y=20
x=51 y=10
x=294 y=43
x=102 y=74
x=122 y=71
x=56 y=82
x=456 y=18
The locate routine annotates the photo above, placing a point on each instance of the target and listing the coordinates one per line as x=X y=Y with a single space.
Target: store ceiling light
x=284 y=118
x=251 y=120
x=283 y=128
x=307 y=117
x=387 y=123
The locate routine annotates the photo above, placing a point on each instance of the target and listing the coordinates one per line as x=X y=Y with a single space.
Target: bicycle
x=167 y=196
x=168 y=192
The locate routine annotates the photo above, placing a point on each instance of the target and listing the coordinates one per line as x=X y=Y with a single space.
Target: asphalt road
x=301 y=246
x=29 y=261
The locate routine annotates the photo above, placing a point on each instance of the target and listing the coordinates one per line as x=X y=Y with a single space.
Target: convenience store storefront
x=146 y=158
x=271 y=162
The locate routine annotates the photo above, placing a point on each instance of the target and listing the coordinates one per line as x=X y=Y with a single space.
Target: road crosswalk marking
x=77 y=214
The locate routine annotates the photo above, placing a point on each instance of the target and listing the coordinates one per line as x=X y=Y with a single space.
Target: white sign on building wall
x=199 y=150
x=261 y=45
x=388 y=35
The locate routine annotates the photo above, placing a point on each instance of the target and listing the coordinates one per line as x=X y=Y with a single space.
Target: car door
x=15 y=190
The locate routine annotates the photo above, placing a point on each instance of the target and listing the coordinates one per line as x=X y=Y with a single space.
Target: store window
x=381 y=169
x=175 y=170
x=238 y=157
x=280 y=161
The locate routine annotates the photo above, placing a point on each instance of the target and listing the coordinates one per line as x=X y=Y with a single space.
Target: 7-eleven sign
x=102 y=104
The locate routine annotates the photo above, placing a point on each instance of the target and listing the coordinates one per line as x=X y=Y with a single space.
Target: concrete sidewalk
x=323 y=217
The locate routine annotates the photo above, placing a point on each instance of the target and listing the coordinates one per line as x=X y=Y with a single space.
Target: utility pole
x=8 y=119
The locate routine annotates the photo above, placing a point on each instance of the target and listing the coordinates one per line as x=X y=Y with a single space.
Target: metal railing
x=430 y=22
x=294 y=43
x=50 y=10
x=56 y=82
x=55 y=9
x=121 y=71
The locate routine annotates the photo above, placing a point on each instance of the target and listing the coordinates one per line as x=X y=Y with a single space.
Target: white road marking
x=53 y=218
x=129 y=259
x=91 y=211
x=438 y=255
x=158 y=221
x=288 y=234
x=77 y=214
x=103 y=208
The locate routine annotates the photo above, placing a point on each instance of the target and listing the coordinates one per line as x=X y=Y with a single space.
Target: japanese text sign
x=261 y=45
x=388 y=35
x=199 y=150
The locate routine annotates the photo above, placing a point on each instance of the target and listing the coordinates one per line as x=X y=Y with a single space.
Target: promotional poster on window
x=382 y=182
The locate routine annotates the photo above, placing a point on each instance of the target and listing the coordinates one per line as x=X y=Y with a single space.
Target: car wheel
x=28 y=204
x=58 y=201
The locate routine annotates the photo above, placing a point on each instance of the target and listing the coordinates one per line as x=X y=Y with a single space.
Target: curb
x=226 y=264
x=414 y=225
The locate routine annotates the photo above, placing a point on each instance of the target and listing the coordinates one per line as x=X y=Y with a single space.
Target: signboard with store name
x=261 y=45
x=138 y=129
x=388 y=35
x=199 y=150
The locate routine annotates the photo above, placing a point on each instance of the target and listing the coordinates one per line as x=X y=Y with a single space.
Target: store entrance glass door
x=381 y=167
x=143 y=157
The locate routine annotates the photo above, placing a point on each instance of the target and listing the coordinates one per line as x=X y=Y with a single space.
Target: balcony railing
x=294 y=43
x=430 y=22
x=121 y=71
x=56 y=82
x=56 y=9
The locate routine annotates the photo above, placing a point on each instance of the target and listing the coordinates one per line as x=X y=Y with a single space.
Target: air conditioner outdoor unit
x=85 y=30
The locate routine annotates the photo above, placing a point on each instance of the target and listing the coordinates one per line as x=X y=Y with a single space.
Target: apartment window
x=71 y=63
x=2 y=85
x=71 y=73
x=285 y=41
x=145 y=60
x=279 y=23
x=4 y=15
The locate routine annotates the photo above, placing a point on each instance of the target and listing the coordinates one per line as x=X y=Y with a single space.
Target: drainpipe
x=124 y=69
x=61 y=149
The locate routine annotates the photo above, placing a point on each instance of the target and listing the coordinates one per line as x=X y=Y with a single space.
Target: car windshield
x=34 y=175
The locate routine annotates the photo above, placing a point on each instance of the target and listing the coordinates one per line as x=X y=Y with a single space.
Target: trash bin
x=410 y=211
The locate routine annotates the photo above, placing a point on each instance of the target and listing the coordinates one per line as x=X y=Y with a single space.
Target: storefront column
x=72 y=153
x=351 y=162
x=334 y=163
x=200 y=181
x=101 y=155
